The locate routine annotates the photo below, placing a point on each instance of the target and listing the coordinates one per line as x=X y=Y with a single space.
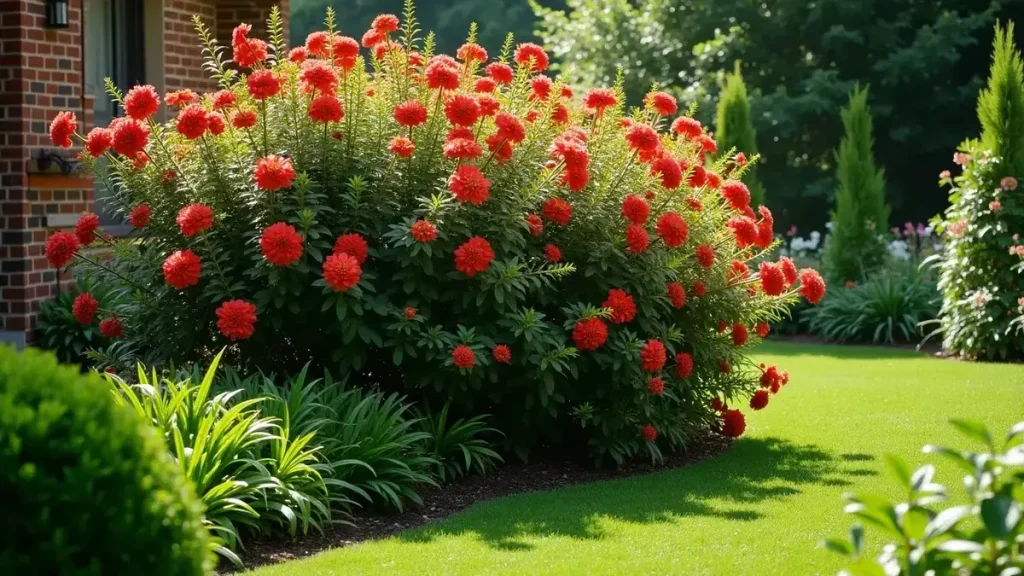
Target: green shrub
x=249 y=469
x=734 y=129
x=855 y=248
x=883 y=310
x=89 y=487
x=980 y=538
x=458 y=447
x=463 y=254
x=980 y=285
x=59 y=331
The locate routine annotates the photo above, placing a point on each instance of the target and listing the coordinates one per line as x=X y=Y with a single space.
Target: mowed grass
x=759 y=509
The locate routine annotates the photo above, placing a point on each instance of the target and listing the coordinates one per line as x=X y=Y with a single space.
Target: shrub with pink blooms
x=465 y=228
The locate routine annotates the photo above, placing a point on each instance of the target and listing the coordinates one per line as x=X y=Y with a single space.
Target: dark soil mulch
x=439 y=503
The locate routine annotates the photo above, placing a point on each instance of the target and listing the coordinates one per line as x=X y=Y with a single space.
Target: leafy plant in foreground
x=883 y=310
x=981 y=538
x=459 y=447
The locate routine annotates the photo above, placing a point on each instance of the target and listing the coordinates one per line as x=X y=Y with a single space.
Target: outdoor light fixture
x=57 y=13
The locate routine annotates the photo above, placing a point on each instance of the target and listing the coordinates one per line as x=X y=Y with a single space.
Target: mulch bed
x=439 y=503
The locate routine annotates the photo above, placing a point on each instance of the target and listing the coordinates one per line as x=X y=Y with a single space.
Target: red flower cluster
x=699 y=289
x=662 y=102
x=739 y=334
x=98 y=141
x=676 y=294
x=788 y=270
x=637 y=239
x=84 y=308
x=672 y=229
x=139 y=216
x=502 y=354
x=705 y=256
x=274 y=173
x=141 y=102
x=192 y=121
x=195 y=219
x=621 y=304
x=759 y=400
x=402 y=146
x=111 y=327
x=181 y=269
x=669 y=171
x=247 y=52
x=532 y=55
x=263 y=84
x=130 y=136
x=737 y=194
x=535 y=224
x=236 y=319
x=552 y=254
x=62 y=128
x=773 y=281
x=598 y=99
x=656 y=386
x=326 y=109
x=474 y=256
x=652 y=356
x=762 y=329
x=589 y=334
x=689 y=128
x=812 y=287
x=61 y=249
x=410 y=113
x=341 y=271
x=635 y=209
x=281 y=244
x=557 y=210
x=85 y=228
x=468 y=184
x=733 y=423
x=463 y=357
x=684 y=365
x=423 y=231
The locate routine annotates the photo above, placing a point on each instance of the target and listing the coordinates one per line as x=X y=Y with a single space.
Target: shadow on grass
x=731 y=486
x=795 y=347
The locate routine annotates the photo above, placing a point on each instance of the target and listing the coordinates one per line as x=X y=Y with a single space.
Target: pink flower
x=961 y=159
x=995 y=206
x=944 y=175
x=958 y=229
x=1009 y=183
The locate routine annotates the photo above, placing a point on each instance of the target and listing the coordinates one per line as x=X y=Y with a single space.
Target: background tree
x=734 y=130
x=800 y=60
x=855 y=248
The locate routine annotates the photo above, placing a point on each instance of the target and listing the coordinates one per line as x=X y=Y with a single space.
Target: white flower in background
x=980 y=297
x=828 y=226
x=900 y=250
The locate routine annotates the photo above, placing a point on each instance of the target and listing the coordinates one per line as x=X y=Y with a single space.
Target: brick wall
x=231 y=13
x=40 y=75
x=183 y=56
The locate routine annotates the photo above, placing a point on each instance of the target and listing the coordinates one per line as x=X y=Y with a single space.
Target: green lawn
x=759 y=509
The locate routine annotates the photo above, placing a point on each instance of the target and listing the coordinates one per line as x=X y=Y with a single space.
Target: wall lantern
x=57 y=13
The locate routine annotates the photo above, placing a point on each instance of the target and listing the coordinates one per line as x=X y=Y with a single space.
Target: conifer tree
x=734 y=128
x=855 y=248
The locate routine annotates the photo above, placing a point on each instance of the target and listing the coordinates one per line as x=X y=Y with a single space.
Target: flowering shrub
x=467 y=226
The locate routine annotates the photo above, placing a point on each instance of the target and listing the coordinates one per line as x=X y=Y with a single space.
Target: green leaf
x=960 y=546
x=1000 y=515
x=899 y=468
x=838 y=546
x=974 y=431
x=945 y=520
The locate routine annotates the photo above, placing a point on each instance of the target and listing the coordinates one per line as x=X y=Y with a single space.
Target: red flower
x=346 y=50
x=442 y=75
x=688 y=127
x=223 y=99
x=762 y=329
x=468 y=184
x=423 y=231
x=552 y=253
x=662 y=102
x=560 y=114
x=474 y=256
x=502 y=354
x=642 y=137
x=600 y=98
x=489 y=105
x=589 y=334
x=326 y=108
x=535 y=223
x=371 y=38
x=699 y=289
x=812 y=286
x=62 y=128
x=694 y=204
x=713 y=180
x=744 y=229
x=471 y=52
x=529 y=54
x=656 y=386
x=738 y=271
x=741 y=159
x=352 y=244
x=733 y=423
x=141 y=102
x=705 y=256
x=385 y=23
x=236 y=319
x=649 y=433
x=460 y=133
x=500 y=73
x=192 y=122
x=773 y=281
x=462 y=149
x=739 y=334
x=111 y=327
x=771 y=379
x=621 y=304
x=181 y=269
x=85 y=228
x=724 y=366
x=635 y=209
x=281 y=244
x=84 y=308
x=130 y=136
x=274 y=173
x=216 y=122
x=737 y=194
x=669 y=171
x=317 y=43
x=722 y=326
x=247 y=52
x=463 y=356
x=759 y=400
x=636 y=239
x=684 y=365
x=195 y=219
x=540 y=88
x=672 y=229
x=500 y=146
x=341 y=271
x=676 y=294
x=243 y=119
x=181 y=98
x=263 y=84
x=98 y=141
x=139 y=216
x=717 y=405
x=462 y=110
x=510 y=128
x=409 y=313
x=707 y=144
x=410 y=113
x=652 y=356
x=298 y=55
x=765 y=236
x=402 y=146
x=788 y=270
x=558 y=211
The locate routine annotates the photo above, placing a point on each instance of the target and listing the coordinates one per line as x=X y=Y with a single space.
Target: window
x=114 y=48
